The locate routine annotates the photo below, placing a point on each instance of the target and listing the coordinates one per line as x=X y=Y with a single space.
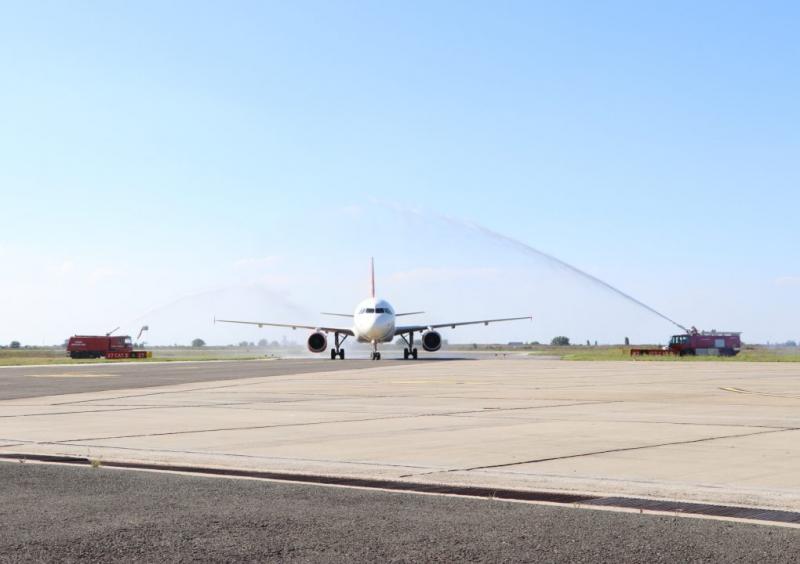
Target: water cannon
x=142 y=330
x=112 y=332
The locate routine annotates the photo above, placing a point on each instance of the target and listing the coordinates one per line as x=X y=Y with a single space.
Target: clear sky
x=164 y=162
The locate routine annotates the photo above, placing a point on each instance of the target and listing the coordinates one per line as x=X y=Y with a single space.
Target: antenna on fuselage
x=372 y=276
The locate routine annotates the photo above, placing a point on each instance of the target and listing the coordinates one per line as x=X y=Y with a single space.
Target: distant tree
x=15 y=344
x=627 y=341
x=263 y=343
x=790 y=343
x=242 y=343
x=560 y=341
x=198 y=343
x=588 y=344
x=535 y=343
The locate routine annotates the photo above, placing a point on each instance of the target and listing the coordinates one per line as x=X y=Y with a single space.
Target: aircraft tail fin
x=372 y=276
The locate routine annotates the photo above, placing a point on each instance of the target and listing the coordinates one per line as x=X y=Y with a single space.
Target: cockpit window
x=376 y=310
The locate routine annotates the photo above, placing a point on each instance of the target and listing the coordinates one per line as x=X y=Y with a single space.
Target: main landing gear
x=411 y=350
x=338 y=350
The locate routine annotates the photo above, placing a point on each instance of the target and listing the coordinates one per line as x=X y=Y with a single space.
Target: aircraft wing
x=341 y=330
x=415 y=328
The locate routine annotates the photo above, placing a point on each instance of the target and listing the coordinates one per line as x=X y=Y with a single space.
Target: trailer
x=664 y=351
x=700 y=343
x=98 y=346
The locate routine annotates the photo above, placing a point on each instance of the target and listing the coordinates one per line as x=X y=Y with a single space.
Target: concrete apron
x=720 y=433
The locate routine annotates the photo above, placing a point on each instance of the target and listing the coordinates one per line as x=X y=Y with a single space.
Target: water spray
x=527 y=249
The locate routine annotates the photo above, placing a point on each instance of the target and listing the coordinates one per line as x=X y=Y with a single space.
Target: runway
x=703 y=432
x=36 y=381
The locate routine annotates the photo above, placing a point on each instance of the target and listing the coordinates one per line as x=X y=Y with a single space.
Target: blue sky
x=153 y=152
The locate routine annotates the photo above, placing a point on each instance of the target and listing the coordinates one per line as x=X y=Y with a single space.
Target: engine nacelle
x=317 y=342
x=431 y=341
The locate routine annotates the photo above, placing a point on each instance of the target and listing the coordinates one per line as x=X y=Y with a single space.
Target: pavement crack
x=312 y=423
x=246 y=428
x=626 y=449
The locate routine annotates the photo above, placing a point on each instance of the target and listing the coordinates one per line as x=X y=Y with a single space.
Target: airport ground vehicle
x=711 y=343
x=96 y=346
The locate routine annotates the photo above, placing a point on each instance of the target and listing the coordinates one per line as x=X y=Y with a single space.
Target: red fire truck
x=96 y=346
x=716 y=343
x=719 y=343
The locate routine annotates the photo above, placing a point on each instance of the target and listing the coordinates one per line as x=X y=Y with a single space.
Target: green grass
x=55 y=355
x=749 y=354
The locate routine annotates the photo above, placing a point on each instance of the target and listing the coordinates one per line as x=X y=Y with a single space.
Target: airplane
x=374 y=321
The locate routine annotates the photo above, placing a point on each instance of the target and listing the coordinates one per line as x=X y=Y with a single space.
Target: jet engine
x=431 y=341
x=317 y=342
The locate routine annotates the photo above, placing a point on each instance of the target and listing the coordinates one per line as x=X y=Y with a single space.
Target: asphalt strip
x=756 y=515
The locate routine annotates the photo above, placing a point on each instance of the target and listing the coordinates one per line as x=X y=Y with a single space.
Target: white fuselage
x=374 y=321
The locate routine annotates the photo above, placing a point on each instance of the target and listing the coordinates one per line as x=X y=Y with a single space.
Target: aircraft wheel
x=341 y=354
x=406 y=354
x=333 y=354
x=377 y=356
x=414 y=354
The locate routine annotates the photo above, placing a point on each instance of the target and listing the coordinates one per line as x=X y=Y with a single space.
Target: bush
x=560 y=341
